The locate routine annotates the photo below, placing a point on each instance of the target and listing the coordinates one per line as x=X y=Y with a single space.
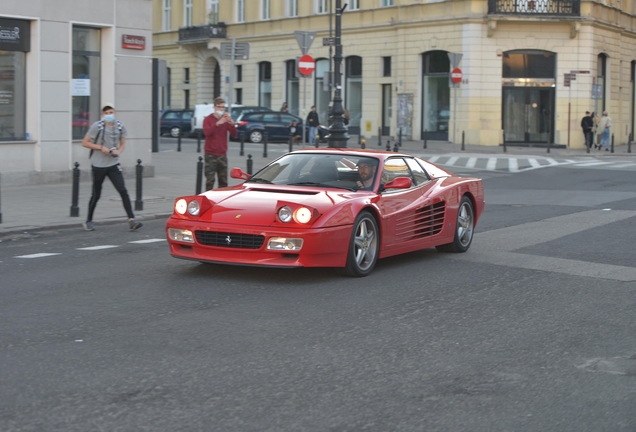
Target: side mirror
x=238 y=173
x=399 y=183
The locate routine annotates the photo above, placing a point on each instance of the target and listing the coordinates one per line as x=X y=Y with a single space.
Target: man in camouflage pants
x=216 y=127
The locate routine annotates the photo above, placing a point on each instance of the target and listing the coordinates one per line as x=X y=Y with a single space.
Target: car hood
x=258 y=205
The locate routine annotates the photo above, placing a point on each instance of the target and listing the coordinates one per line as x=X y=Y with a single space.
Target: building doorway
x=528 y=97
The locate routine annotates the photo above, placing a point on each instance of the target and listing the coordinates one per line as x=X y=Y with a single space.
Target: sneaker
x=88 y=226
x=134 y=225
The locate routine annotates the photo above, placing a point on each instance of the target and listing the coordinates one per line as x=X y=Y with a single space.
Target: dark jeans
x=218 y=165
x=117 y=179
x=589 y=139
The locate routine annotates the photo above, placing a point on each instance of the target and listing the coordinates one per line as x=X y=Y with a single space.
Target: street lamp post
x=338 y=132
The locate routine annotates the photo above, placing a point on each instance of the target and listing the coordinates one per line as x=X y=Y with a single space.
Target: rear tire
x=464 y=227
x=364 y=246
x=256 y=136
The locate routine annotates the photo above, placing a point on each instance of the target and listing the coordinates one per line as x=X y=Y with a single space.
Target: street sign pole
x=229 y=96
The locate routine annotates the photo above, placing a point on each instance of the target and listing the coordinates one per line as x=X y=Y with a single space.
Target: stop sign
x=456 y=75
x=306 y=65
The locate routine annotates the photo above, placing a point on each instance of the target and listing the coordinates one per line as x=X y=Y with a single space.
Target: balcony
x=535 y=7
x=202 y=33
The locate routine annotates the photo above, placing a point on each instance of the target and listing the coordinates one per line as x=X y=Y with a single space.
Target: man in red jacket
x=215 y=127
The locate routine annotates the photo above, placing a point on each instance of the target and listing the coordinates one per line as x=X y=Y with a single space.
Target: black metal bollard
x=548 y=143
x=425 y=137
x=199 y=132
x=629 y=150
x=179 y=141
x=264 y=144
x=396 y=147
x=363 y=144
x=250 y=163
x=388 y=145
x=400 y=137
x=359 y=140
x=242 y=139
x=588 y=144
x=463 y=141
x=379 y=137
x=612 y=150
x=291 y=143
x=139 y=172
x=317 y=141
x=75 y=195
x=198 y=188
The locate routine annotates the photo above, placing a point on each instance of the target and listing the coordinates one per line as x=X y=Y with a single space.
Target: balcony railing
x=203 y=32
x=535 y=7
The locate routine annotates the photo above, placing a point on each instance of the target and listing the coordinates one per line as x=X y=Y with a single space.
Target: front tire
x=464 y=228
x=256 y=136
x=363 y=246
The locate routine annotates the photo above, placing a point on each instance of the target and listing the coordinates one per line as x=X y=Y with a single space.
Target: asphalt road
x=533 y=329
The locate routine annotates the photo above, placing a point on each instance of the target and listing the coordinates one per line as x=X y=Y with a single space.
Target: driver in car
x=366 y=171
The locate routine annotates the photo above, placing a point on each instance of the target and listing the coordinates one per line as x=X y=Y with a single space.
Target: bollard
x=363 y=144
x=629 y=150
x=425 y=137
x=179 y=141
x=197 y=190
x=463 y=145
x=395 y=147
x=291 y=143
x=505 y=149
x=250 y=162
x=242 y=139
x=612 y=150
x=379 y=137
x=199 y=141
x=139 y=171
x=588 y=144
x=0 y=205
x=359 y=140
x=75 y=197
x=264 y=144
x=548 y=143
x=388 y=145
x=317 y=141
x=400 y=137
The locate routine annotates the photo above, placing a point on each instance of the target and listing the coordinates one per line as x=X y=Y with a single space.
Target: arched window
x=265 y=84
x=353 y=91
x=601 y=81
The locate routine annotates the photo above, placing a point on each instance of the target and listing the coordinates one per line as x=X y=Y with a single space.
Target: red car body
x=402 y=214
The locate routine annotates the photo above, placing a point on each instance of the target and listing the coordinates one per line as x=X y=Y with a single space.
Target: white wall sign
x=81 y=87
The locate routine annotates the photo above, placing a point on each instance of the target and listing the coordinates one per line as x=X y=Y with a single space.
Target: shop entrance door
x=528 y=115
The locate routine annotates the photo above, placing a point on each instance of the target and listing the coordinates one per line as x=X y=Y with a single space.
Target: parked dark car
x=238 y=110
x=175 y=122
x=276 y=124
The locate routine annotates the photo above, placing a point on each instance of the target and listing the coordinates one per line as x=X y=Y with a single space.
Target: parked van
x=201 y=111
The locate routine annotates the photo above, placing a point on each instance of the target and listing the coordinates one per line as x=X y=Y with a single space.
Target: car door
x=186 y=121
x=271 y=122
x=408 y=219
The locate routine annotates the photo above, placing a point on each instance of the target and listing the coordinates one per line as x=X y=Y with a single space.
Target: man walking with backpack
x=107 y=140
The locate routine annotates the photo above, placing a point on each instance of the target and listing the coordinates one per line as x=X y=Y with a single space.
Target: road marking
x=451 y=160
x=513 y=165
x=624 y=165
x=38 y=255
x=589 y=164
x=471 y=162
x=497 y=246
x=492 y=164
x=147 y=241
x=98 y=247
x=534 y=163
x=433 y=159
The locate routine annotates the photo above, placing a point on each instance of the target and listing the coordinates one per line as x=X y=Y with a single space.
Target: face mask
x=220 y=113
x=109 y=118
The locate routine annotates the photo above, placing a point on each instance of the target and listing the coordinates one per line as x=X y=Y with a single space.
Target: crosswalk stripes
x=516 y=164
x=90 y=248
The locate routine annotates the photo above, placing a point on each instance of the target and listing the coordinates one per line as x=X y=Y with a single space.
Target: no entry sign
x=306 y=65
x=456 y=75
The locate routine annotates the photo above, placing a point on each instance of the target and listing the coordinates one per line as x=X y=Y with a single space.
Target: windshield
x=325 y=170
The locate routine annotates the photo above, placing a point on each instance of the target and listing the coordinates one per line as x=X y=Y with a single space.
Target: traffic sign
x=304 y=39
x=456 y=75
x=306 y=65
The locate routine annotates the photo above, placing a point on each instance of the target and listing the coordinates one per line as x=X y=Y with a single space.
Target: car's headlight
x=302 y=215
x=194 y=207
x=181 y=206
x=285 y=244
x=285 y=214
x=180 y=235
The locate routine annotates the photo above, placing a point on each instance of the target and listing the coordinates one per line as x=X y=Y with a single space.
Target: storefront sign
x=15 y=35
x=81 y=87
x=133 y=42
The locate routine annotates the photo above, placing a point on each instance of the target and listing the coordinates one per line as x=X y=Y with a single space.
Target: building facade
x=527 y=69
x=59 y=63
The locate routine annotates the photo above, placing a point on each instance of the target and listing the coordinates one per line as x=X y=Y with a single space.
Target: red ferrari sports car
x=328 y=208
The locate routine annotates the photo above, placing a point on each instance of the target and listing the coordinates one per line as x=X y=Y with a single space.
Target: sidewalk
x=28 y=208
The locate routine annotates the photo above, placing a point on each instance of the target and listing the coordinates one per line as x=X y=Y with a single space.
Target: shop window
x=435 y=95
x=265 y=84
x=239 y=96
x=529 y=64
x=353 y=99
x=13 y=47
x=322 y=95
x=292 y=87
x=86 y=79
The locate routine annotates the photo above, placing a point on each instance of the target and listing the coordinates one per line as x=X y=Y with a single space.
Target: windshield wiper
x=259 y=180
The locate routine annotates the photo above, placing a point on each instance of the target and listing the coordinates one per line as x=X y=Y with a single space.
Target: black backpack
x=100 y=131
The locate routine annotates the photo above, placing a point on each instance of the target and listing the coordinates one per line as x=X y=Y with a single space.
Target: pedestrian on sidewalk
x=284 y=108
x=604 y=130
x=313 y=122
x=216 y=126
x=107 y=140
x=587 y=124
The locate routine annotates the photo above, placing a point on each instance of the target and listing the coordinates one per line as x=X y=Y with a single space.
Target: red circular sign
x=456 y=75
x=306 y=65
